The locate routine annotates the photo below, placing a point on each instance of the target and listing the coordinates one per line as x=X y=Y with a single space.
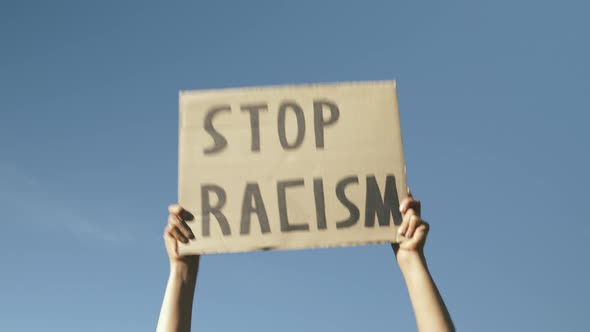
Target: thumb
x=174 y=209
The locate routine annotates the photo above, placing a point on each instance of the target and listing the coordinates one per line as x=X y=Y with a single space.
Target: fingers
x=413 y=228
x=175 y=233
x=409 y=224
x=180 y=212
x=177 y=226
x=409 y=203
x=181 y=225
x=410 y=210
x=421 y=231
x=416 y=242
x=415 y=221
x=175 y=209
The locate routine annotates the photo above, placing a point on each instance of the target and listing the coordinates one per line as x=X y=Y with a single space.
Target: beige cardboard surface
x=291 y=167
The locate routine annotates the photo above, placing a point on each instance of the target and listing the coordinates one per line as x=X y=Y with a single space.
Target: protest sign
x=291 y=167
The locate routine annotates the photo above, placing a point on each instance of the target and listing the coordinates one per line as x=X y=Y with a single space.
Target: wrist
x=184 y=269
x=408 y=260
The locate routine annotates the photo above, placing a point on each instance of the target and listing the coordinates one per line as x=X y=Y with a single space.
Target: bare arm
x=429 y=308
x=177 y=305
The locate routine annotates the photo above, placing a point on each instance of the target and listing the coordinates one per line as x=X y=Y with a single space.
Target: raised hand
x=178 y=231
x=413 y=228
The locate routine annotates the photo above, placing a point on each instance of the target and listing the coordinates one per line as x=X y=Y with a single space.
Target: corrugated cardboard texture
x=281 y=185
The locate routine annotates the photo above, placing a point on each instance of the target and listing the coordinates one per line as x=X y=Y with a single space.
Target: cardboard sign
x=291 y=167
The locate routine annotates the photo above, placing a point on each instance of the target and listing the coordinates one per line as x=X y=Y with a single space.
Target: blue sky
x=494 y=108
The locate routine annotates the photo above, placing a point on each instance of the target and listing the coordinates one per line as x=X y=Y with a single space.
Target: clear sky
x=494 y=108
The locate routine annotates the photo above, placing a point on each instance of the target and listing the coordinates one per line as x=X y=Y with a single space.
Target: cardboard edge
x=209 y=92
x=184 y=250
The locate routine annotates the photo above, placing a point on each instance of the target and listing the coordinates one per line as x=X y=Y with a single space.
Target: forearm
x=429 y=308
x=176 y=311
